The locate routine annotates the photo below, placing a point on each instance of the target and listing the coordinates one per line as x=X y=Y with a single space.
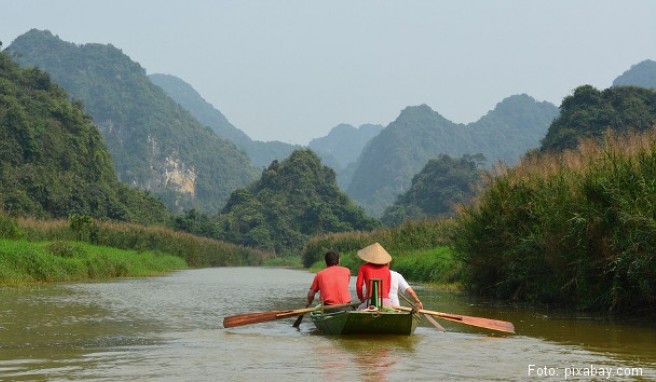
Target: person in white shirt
x=398 y=284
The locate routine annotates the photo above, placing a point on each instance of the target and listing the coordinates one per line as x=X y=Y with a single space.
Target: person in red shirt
x=332 y=283
x=376 y=267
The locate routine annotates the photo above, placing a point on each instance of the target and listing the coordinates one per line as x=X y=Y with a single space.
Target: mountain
x=589 y=113
x=260 y=153
x=293 y=200
x=53 y=161
x=155 y=144
x=390 y=160
x=443 y=182
x=642 y=75
x=344 y=142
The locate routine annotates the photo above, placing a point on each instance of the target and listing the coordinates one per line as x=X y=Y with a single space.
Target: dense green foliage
x=26 y=262
x=156 y=145
x=294 y=200
x=577 y=229
x=590 y=113
x=260 y=153
x=53 y=161
x=441 y=184
x=390 y=160
x=642 y=75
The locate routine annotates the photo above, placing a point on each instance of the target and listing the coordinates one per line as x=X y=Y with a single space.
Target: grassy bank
x=196 y=251
x=24 y=262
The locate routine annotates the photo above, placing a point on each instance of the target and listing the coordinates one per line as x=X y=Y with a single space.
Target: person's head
x=332 y=258
x=375 y=254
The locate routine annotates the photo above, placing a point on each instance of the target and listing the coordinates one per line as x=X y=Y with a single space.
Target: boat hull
x=366 y=322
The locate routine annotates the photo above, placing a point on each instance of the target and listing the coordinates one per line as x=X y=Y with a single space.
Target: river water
x=169 y=329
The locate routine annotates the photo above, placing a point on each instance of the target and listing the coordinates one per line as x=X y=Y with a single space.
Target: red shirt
x=333 y=285
x=370 y=271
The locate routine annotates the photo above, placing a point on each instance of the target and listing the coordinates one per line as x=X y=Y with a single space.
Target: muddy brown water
x=169 y=329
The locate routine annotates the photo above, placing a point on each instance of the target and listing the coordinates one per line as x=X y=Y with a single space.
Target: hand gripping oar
x=427 y=317
x=487 y=323
x=257 y=317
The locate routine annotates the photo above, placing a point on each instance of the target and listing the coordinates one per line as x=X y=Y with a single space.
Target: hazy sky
x=291 y=70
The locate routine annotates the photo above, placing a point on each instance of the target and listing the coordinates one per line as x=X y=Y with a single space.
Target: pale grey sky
x=291 y=70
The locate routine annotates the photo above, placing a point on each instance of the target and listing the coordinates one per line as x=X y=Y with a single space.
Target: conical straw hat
x=375 y=254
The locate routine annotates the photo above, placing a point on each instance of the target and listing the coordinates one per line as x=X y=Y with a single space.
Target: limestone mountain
x=441 y=184
x=642 y=74
x=260 y=153
x=293 y=200
x=155 y=144
x=390 y=160
x=344 y=142
x=53 y=161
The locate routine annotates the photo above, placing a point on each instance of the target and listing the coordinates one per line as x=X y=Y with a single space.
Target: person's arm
x=412 y=293
x=359 y=283
x=310 y=296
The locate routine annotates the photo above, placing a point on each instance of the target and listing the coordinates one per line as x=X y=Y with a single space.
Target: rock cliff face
x=156 y=145
x=176 y=175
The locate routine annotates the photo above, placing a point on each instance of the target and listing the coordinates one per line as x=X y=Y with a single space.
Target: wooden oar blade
x=435 y=323
x=251 y=318
x=487 y=323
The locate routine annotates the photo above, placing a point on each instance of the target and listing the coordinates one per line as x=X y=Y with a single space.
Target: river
x=169 y=328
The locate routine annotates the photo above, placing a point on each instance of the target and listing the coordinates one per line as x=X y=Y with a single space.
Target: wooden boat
x=371 y=321
x=377 y=319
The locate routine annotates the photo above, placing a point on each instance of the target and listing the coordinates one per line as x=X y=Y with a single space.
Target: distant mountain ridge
x=345 y=142
x=390 y=160
x=156 y=145
x=642 y=74
x=260 y=153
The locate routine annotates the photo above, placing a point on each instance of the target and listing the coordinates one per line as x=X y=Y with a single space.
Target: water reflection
x=374 y=358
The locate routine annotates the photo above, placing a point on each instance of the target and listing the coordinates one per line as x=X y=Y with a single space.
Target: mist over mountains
x=165 y=138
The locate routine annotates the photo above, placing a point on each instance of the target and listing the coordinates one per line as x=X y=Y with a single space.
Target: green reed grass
x=577 y=229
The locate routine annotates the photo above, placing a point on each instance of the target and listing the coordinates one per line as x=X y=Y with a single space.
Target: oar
x=487 y=323
x=257 y=317
x=297 y=323
x=435 y=323
x=427 y=317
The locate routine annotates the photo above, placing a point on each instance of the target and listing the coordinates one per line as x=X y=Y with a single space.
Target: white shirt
x=398 y=285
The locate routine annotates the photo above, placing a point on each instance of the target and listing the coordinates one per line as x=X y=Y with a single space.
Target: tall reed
x=576 y=229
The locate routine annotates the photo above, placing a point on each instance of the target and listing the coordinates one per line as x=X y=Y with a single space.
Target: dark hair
x=332 y=258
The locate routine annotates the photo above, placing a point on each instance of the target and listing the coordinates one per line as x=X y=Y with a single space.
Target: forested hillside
x=390 y=160
x=294 y=200
x=156 y=145
x=441 y=184
x=53 y=162
x=260 y=153
x=589 y=113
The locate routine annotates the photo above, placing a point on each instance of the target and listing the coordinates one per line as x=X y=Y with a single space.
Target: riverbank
x=23 y=262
